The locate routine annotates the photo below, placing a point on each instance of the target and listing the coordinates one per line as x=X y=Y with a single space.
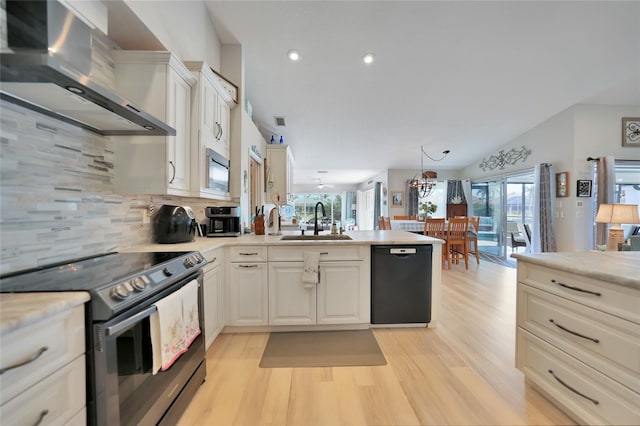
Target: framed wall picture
x=396 y=198
x=631 y=131
x=562 y=184
x=583 y=188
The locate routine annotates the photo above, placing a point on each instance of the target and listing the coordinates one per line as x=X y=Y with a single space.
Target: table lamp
x=617 y=214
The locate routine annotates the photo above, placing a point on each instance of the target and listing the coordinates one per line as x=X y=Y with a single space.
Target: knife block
x=258 y=225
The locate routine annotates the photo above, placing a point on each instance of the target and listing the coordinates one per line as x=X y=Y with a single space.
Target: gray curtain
x=454 y=189
x=412 y=200
x=348 y=199
x=377 y=200
x=543 y=210
x=606 y=181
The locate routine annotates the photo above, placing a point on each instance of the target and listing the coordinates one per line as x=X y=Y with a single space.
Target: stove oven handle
x=126 y=324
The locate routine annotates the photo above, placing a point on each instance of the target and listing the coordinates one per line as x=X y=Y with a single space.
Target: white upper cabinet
x=279 y=173
x=210 y=125
x=159 y=83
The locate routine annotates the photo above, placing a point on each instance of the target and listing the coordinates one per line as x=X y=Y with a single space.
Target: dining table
x=407 y=225
x=416 y=226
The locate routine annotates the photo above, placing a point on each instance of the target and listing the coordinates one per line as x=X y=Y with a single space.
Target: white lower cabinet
x=43 y=368
x=342 y=295
x=248 y=304
x=578 y=341
x=291 y=302
x=214 y=307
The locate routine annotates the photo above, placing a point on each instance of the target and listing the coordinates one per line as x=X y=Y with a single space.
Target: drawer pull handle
x=576 y=288
x=324 y=252
x=29 y=360
x=595 y=401
x=573 y=332
x=249 y=266
x=41 y=418
x=255 y=253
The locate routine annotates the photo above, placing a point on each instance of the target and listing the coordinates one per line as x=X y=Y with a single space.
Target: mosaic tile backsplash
x=56 y=193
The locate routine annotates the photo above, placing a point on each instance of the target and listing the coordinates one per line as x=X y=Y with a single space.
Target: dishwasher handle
x=402 y=251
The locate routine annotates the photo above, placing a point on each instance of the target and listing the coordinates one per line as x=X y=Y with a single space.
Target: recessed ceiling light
x=368 y=58
x=294 y=55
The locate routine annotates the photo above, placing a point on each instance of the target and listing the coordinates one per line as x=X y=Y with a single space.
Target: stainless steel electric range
x=121 y=387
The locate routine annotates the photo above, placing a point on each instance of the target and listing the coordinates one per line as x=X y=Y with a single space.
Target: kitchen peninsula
x=578 y=332
x=250 y=275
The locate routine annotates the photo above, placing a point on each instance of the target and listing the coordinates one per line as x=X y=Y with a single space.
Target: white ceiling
x=463 y=76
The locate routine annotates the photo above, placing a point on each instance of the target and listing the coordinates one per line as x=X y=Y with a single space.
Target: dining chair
x=381 y=225
x=472 y=236
x=435 y=228
x=457 y=243
x=387 y=223
x=400 y=217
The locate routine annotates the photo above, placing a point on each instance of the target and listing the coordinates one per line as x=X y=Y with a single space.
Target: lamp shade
x=618 y=214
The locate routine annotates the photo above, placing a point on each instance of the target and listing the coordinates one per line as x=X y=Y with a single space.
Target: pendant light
x=426 y=181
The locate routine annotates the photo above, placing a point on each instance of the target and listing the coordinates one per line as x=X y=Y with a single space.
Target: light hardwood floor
x=460 y=373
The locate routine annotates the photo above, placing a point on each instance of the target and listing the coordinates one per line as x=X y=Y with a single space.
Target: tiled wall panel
x=56 y=193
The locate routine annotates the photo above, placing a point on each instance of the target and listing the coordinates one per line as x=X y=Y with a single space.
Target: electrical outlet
x=146 y=218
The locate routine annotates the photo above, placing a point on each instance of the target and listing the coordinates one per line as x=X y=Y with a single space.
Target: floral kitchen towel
x=310 y=265
x=191 y=319
x=174 y=326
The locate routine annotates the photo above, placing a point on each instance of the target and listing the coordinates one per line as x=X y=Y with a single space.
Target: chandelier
x=426 y=181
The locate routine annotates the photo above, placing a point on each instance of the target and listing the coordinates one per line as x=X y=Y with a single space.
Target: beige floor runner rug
x=322 y=349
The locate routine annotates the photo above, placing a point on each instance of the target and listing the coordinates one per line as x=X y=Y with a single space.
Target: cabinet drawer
x=587 y=395
x=607 y=343
x=57 y=399
x=614 y=299
x=62 y=336
x=327 y=253
x=248 y=254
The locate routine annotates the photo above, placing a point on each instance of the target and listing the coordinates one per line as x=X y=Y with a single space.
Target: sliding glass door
x=504 y=206
x=487 y=204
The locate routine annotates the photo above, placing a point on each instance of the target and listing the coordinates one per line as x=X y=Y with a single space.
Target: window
x=305 y=204
x=438 y=197
x=627 y=182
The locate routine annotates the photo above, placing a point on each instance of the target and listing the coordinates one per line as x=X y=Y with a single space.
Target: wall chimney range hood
x=46 y=67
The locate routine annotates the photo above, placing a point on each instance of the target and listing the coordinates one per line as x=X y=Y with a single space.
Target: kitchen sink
x=315 y=237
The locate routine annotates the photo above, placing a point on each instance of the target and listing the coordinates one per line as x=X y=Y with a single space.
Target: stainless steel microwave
x=217 y=171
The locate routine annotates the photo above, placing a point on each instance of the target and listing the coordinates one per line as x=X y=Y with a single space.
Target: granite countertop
x=204 y=245
x=19 y=310
x=618 y=267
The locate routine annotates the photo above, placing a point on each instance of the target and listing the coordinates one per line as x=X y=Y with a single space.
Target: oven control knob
x=199 y=258
x=167 y=272
x=189 y=261
x=120 y=292
x=138 y=284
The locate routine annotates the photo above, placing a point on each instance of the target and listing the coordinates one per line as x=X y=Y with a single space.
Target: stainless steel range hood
x=46 y=66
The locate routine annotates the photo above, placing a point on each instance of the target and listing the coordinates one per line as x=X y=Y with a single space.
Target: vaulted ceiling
x=463 y=76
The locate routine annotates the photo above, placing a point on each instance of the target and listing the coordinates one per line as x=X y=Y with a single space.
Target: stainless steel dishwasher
x=401 y=284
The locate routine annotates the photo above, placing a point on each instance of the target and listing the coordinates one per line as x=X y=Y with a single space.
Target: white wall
x=566 y=140
x=598 y=132
x=186 y=31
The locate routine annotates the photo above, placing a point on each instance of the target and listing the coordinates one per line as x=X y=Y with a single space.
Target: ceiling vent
x=280 y=121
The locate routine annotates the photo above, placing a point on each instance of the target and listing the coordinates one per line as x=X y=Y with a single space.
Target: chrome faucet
x=315 y=217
